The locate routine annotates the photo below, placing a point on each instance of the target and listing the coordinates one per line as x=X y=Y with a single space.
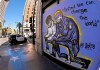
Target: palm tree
x=3 y=21
x=19 y=25
x=4 y=31
x=0 y=25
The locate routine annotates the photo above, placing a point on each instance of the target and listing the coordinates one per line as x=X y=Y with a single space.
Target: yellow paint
x=86 y=58
x=58 y=11
x=65 y=48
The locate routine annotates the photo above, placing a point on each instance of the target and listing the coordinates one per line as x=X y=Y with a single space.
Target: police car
x=16 y=39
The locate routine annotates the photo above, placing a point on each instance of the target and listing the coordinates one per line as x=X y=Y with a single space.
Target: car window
x=12 y=36
x=18 y=35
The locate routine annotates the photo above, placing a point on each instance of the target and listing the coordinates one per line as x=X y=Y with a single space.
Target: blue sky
x=14 y=12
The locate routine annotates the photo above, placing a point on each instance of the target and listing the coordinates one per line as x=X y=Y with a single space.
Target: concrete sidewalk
x=3 y=40
x=30 y=40
x=24 y=57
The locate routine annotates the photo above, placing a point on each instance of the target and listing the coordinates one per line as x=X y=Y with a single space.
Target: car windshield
x=18 y=35
x=13 y=36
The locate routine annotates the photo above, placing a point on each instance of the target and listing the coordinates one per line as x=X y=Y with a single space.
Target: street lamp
x=31 y=20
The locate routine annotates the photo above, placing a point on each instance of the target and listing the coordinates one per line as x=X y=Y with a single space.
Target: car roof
x=12 y=36
x=15 y=34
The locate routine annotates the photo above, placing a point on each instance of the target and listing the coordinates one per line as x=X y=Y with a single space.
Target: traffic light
x=30 y=20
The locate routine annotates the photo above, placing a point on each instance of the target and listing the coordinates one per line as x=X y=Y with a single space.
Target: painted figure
x=51 y=30
x=67 y=34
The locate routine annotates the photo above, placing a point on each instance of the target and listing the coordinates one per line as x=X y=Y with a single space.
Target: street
x=24 y=57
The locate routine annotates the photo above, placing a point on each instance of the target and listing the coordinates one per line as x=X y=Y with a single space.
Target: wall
x=38 y=43
x=73 y=33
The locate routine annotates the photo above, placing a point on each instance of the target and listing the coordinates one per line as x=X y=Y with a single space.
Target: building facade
x=3 y=5
x=27 y=13
x=37 y=26
x=33 y=7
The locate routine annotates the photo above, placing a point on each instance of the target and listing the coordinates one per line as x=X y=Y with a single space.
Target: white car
x=15 y=39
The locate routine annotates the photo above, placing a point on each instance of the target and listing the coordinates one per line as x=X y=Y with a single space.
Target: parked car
x=3 y=36
x=16 y=39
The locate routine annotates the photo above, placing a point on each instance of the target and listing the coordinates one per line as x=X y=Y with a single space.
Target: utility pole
x=32 y=27
x=33 y=24
x=33 y=30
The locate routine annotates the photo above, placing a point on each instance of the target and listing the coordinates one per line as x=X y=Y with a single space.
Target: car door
x=19 y=38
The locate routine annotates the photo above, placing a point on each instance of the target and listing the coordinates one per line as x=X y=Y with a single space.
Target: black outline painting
x=64 y=31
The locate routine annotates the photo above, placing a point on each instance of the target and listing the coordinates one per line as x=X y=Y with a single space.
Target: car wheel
x=11 y=43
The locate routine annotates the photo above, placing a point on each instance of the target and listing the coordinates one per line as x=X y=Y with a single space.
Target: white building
x=27 y=13
x=26 y=29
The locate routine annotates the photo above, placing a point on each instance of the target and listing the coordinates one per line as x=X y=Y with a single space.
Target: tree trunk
x=19 y=30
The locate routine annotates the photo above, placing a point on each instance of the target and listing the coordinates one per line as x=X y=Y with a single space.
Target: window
x=18 y=35
x=33 y=9
x=29 y=5
x=26 y=25
x=27 y=12
x=28 y=8
x=26 y=30
x=27 y=16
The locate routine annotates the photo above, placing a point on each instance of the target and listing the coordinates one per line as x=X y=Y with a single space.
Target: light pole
x=33 y=24
x=31 y=20
x=33 y=32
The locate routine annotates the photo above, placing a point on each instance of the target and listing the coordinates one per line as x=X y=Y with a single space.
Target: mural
x=71 y=31
x=64 y=31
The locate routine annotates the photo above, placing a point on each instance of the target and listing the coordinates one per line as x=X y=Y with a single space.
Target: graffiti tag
x=88 y=46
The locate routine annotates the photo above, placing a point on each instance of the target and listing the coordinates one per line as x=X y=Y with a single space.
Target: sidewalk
x=25 y=57
x=3 y=40
x=41 y=62
x=30 y=40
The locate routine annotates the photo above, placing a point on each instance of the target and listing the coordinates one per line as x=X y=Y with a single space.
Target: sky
x=14 y=12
